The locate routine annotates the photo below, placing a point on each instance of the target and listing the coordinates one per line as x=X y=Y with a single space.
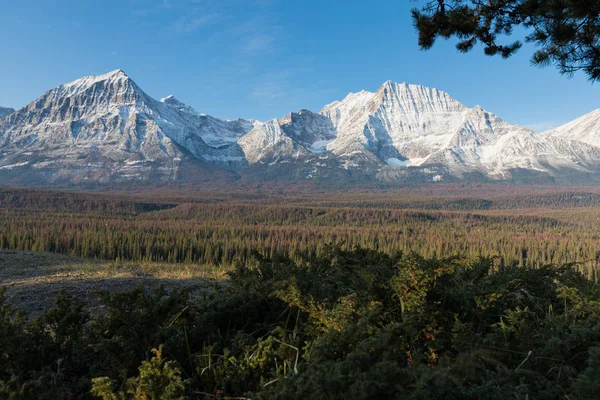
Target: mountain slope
x=404 y=125
x=584 y=129
x=95 y=128
x=297 y=135
x=399 y=121
x=4 y=111
x=106 y=129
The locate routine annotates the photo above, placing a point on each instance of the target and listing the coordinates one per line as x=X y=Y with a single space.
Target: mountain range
x=105 y=129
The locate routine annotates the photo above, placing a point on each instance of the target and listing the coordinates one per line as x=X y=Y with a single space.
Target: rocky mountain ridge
x=4 y=111
x=106 y=129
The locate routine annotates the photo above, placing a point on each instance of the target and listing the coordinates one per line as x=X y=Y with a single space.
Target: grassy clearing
x=34 y=279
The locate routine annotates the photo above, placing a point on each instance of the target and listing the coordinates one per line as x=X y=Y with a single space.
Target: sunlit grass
x=147 y=270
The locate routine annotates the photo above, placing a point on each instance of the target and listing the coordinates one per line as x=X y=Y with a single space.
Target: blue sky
x=263 y=58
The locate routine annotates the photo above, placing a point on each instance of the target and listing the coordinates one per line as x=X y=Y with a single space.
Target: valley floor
x=84 y=242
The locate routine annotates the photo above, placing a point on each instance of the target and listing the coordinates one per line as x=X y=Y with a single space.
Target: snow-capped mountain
x=398 y=122
x=106 y=129
x=584 y=129
x=4 y=111
x=296 y=136
x=405 y=125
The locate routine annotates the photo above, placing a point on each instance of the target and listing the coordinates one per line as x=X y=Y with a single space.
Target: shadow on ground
x=35 y=297
x=33 y=280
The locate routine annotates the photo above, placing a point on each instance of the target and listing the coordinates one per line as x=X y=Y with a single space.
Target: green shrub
x=348 y=324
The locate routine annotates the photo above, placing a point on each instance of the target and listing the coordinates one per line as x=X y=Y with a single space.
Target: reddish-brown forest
x=529 y=226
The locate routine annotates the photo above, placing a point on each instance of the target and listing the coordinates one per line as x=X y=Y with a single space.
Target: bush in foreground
x=346 y=325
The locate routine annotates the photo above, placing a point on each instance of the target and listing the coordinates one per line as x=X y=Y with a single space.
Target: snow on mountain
x=4 y=111
x=207 y=138
x=267 y=143
x=584 y=129
x=309 y=129
x=213 y=131
x=296 y=135
x=105 y=128
x=181 y=107
x=405 y=125
x=520 y=150
x=91 y=128
x=478 y=138
x=107 y=125
x=399 y=121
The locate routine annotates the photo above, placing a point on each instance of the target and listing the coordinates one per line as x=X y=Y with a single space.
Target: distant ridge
x=4 y=111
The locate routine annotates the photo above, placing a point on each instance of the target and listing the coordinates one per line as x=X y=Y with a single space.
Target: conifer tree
x=566 y=32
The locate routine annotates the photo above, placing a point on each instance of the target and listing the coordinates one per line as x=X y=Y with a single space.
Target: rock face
x=296 y=136
x=406 y=125
x=397 y=122
x=103 y=128
x=4 y=111
x=106 y=129
x=584 y=129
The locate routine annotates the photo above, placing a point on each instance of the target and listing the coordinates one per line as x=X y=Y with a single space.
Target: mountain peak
x=416 y=98
x=105 y=127
x=116 y=76
x=390 y=83
x=584 y=129
x=170 y=99
x=117 y=73
x=407 y=87
x=179 y=105
x=404 y=86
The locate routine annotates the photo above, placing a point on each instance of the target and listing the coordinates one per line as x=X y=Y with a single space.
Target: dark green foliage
x=567 y=32
x=45 y=358
x=135 y=322
x=157 y=380
x=354 y=324
x=588 y=385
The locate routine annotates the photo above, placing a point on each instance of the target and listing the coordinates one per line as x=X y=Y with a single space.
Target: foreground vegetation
x=356 y=324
